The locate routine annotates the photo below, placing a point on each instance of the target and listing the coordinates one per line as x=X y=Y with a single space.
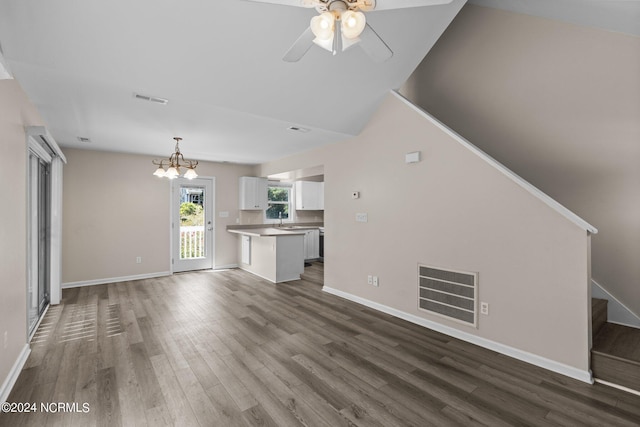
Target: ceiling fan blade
x=297 y=3
x=402 y=4
x=374 y=46
x=300 y=47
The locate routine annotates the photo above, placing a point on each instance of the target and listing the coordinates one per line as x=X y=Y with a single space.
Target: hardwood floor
x=229 y=349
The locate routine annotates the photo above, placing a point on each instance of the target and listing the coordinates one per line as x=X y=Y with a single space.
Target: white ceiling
x=231 y=97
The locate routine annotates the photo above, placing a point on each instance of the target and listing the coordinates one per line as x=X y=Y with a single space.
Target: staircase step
x=616 y=370
x=598 y=315
x=615 y=356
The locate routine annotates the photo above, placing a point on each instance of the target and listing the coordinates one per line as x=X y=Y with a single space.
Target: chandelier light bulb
x=322 y=26
x=353 y=23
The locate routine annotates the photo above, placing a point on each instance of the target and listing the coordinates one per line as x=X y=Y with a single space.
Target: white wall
x=115 y=210
x=560 y=105
x=451 y=210
x=16 y=112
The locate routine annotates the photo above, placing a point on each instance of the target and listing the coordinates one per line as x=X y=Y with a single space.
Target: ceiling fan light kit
x=341 y=24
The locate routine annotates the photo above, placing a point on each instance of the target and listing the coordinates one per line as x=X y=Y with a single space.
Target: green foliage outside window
x=278 y=203
x=191 y=214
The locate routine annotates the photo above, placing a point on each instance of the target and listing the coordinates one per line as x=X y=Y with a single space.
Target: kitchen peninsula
x=272 y=253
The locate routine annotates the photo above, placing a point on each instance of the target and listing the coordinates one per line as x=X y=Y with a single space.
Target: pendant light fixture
x=174 y=163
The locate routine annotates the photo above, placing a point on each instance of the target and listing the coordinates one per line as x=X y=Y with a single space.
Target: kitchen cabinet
x=271 y=253
x=253 y=193
x=309 y=195
x=312 y=244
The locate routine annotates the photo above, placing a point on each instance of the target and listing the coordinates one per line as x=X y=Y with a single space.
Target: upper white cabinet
x=253 y=193
x=309 y=195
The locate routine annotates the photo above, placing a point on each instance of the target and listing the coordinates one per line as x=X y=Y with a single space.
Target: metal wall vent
x=151 y=99
x=448 y=293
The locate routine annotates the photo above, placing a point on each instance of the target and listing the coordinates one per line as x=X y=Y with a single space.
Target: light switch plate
x=361 y=217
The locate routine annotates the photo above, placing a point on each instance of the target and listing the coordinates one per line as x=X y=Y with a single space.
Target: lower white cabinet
x=312 y=244
x=246 y=249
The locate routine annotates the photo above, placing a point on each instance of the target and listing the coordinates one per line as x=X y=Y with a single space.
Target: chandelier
x=174 y=163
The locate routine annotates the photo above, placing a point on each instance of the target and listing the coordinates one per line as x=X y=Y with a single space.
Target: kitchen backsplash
x=257 y=217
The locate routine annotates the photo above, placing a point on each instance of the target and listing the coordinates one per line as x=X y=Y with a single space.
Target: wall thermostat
x=412 y=157
x=355 y=195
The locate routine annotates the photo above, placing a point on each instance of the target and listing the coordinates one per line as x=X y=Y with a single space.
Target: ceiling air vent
x=447 y=293
x=151 y=99
x=299 y=129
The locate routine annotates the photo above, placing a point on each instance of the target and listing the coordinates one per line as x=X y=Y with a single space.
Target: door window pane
x=192 y=205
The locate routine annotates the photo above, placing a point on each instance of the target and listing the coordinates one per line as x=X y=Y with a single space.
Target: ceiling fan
x=341 y=24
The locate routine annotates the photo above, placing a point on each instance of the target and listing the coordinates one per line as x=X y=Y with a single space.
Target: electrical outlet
x=361 y=217
x=370 y=280
x=6 y=339
x=138 y=260
x=375 y=281
x=484 y=308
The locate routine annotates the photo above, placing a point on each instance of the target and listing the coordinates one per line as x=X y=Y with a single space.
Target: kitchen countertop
x=270 y=231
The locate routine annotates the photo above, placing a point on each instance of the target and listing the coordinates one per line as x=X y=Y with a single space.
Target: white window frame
x=289 y=186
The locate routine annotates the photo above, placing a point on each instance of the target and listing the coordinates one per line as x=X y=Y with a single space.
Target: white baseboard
x=524 y=356
x=14 y=373
x=114 y=280
x=225 y=267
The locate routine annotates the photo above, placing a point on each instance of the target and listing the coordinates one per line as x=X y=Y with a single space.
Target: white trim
x=616 y=311
x=42 y=132
x=5 y=71
x=501 y=168
x=37 y=325
x=619 y=387
x=55 y=241
x=524 y=356
x=225 y=267
x=114 y=280
x=14 y=373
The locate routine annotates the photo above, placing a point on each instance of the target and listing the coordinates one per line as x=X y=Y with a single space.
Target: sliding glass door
x=39 y=221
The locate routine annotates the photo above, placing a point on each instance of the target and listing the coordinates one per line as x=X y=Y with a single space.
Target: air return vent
x=151 y=98
x=447 y=293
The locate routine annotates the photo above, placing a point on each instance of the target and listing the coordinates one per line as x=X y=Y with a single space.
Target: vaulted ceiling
x=219 y=64
x=231 y=97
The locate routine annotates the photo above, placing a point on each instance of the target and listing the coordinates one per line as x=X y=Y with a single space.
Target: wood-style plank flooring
x=229 y=349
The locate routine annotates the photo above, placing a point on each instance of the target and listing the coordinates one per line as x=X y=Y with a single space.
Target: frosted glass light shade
x=322 y=26
x=172 y=173
x=353 y=24
x=159 y=172
x=190 y=173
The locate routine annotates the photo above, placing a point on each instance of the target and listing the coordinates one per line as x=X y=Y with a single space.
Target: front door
x=192 y=223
